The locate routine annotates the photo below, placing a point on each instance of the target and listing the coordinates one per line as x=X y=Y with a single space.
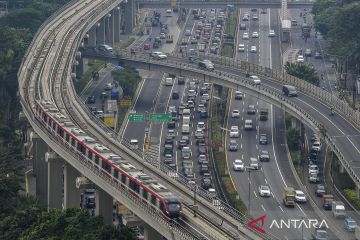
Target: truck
x=185 y=129
x=188 y=167
x=263 y=114
x=289 y=196
x=327 y=200
x=338 y=209
x=306 y=29
x=169 y=38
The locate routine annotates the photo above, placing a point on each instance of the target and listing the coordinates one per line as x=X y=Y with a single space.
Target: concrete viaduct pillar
x=40 y=169
x=92 y=37
x=129 y=16
x=55 y=180
x=104 y=206
x=100 y=32
x=117 y=24
x=150 y=233
x=109 y=36
x=71 y=192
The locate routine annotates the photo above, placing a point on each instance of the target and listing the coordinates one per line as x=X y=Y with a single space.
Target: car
x=314 y=138
x=238 y=95
x=199 y=133
x=293 y=22
x=251 y=109
x=255 y=35
x=238 y=165
x=256 y=80
x=300 y=59
x=308 y=52
x=234 y=132
x=233 y=146
x=168 y=158
x=201 y=158
x=245 y=36
x=200 y=141
x=171 y=125
x=245 y=17
x=201 y=108
x=204 y=168
x=320 y=190
x=171 y=133
x=181 y=144
x=241 y=47
x=90 y=100
x=350 y=224
x=108 y=87
x=320 y=234
x=264 y=156
x=206 y=64
x=235 y=113
x=316 y=145
x=146 y=46
x=314 y=178
x=300 y=196
x=202 y=149
x=253 y=49
x=188 y=32
x=205 y=182
x=264 y=191
x=254 y=163
x=263 y=140
x=318 y=55
x=255 y=17
x=162 y=35
x=203 y=114
x=313 y=169
x=271 y=33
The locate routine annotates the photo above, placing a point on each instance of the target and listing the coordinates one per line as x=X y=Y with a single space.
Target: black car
x=171 y=125
x=200 y=141
x=263 y=139
x=251 y=109
x=201 y=149
x=186 y=138
x=206 y=183
x=181 y=144
x=264 y=156
x=204 y=169
x=203 y=114
x=91 y=99
x=181 y=80
x=169 y=140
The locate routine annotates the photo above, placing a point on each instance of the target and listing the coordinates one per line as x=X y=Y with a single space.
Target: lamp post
x=249 y=169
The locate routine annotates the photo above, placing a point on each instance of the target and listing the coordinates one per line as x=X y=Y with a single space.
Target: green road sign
x=160 y=117
x=136 y=117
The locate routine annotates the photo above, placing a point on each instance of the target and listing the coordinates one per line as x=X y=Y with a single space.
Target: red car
x=146 y=46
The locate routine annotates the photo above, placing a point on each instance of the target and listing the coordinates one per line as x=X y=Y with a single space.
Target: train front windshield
x=174 y=207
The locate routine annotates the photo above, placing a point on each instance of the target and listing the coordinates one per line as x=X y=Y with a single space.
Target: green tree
x=128 y=78
x=293 y=139
x=303 y=71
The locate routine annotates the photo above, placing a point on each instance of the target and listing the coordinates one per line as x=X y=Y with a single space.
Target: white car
x=255 y=35
x=199 y=133
x=300 y=59
x=234 y=132
x=316 y=145
x=300 y=196
x=246 y=35
x=235 y=113
x=313 y=169
x=238 y=165
x=272 y=33
x=264 y=191
x=255 y=79
x=253 y=49
x=241 y=47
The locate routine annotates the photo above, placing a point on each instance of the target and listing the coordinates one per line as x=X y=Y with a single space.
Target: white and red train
x=133 y=180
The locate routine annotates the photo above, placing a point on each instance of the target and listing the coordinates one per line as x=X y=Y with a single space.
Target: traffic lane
x=254 y=57
x=245 y=54
x=276 y=52
x=135 y=130
x=265 y=43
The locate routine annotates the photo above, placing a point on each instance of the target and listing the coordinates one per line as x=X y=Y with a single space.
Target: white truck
x=185 y=129
x=338 y=209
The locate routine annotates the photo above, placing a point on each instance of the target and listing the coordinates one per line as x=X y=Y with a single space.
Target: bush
x=350 y=194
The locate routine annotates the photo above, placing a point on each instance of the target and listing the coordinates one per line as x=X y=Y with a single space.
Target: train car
x=119 y=170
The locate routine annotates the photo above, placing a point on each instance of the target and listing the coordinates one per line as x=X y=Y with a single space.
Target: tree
x=293 y=139
x=303 y=71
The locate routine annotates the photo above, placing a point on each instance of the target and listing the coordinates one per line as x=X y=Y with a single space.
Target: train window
x=106 y=166
x=123 y=178
x=132 y=185
x=45 y=117
x=90 y=154
x=81 y=148
x=96 y=159
x=145 y=194
x=116 y=174
x=73 y=142
x=161 y=207
x=67 y=137
x=153 y=199
x=54 y=126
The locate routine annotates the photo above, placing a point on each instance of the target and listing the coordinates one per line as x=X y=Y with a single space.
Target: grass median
x=231 y=24
x=218 y=111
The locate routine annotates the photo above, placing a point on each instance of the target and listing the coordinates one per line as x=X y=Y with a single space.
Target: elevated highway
x=46 y=73
x=312 y=106
x=221 y=4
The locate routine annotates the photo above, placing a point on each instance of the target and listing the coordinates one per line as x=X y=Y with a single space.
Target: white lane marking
x=266 y=181
x=176 y=161
x=273 y=145
x=241 y=145
x=255 y=194
x=281 y=208
x=262 y=206
x=242 y=156
x=301 y=210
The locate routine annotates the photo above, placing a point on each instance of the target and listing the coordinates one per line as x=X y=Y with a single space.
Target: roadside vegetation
x=218 y=111
x=129 y=79
x=303 y=71
x=81 y=83
x=228 y=45
x=20 y=216
x=294 y=144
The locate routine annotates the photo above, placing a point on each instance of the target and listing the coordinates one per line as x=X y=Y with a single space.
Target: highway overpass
x=221 y=4
x=46 y=73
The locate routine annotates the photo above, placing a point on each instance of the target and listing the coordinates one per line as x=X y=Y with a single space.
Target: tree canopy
x=303 y=71
x=339 y=23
